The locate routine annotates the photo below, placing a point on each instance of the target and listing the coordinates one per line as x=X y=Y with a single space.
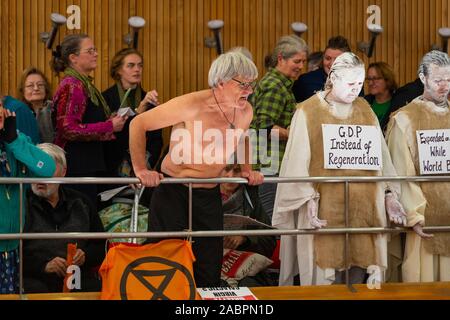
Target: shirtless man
x=207 y=117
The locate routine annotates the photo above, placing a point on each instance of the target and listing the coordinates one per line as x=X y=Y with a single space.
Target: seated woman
x=126 y=70
x=34 y=90
x=244 y=200
x=382 y=85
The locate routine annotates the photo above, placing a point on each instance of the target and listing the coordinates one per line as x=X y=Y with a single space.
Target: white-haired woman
x=206 y=126
x=320 y=259
x=274 y=105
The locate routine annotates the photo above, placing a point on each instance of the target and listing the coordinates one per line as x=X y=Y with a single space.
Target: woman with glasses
x=126 y=69
x=382 y=85
x=274 y=105
x=83 y=118
x=34 y=90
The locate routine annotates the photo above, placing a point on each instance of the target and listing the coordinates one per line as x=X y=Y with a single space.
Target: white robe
x=296 y=252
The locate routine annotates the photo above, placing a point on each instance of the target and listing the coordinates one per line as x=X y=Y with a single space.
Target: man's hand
x=9 y=131
x=395 y=210
x=79 y=258
x=419 y=230
x=233 y=242
x=254 y=178
x=312 y=210
x=149 y=178
x=57 y=265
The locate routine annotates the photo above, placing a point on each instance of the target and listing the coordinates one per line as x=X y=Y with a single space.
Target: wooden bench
x=389 y=291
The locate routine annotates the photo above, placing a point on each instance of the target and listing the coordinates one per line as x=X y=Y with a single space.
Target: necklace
x=232 y=126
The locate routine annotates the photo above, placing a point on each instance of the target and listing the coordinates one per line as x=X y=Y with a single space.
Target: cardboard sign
x=348 y=147
x=226 y=293
x=434 y=151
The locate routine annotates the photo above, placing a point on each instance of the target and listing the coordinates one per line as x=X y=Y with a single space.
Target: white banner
x=352 y=147
x=434 y=151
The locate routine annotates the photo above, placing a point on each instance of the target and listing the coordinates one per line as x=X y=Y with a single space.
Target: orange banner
x=71 y=251
x=160 y=271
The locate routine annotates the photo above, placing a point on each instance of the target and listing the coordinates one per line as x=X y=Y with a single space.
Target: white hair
x=438 y=58
x=347 y=60
x=54 y=151
x=287 y=46
x=230 y=65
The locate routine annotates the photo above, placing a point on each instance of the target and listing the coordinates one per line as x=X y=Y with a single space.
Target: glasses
x=245 y=85
x=374 y=79
x=91 y=51
x=39 y=85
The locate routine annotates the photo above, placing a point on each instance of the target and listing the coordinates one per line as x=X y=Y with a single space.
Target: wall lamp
x=445 y=35
x=215 y=26
x=49 y=37
x=368 y=47
x=299 y=28
x=136 y=23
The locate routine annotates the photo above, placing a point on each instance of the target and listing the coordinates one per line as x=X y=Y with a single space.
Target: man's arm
x=168 y=114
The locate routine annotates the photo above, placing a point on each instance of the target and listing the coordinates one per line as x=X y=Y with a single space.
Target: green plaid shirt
x=273 y=104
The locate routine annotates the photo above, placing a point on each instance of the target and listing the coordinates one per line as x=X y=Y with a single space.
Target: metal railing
x=347 y=231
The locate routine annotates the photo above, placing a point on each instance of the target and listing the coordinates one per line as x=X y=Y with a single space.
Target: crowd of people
x=80 y=131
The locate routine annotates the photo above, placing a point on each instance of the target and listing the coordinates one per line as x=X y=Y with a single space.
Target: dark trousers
x=169 y=212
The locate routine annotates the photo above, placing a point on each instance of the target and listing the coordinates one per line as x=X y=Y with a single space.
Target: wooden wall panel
x=176 y=61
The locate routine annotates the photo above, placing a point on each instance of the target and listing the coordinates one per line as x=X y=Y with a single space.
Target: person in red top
x=83 y=119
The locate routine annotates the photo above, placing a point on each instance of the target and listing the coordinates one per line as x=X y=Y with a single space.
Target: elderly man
x=426 y=258
x=208 y=127
x=335 y=133
x=18 y=158
x=55 y=208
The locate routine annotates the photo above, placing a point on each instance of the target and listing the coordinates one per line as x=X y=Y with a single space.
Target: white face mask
x=347 y=84
x=437 y=84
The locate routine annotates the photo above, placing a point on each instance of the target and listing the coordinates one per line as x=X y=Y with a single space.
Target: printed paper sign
x=352 y=147
x=226 y=293
x=434 y=151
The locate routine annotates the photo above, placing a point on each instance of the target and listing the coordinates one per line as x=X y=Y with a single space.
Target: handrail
x=92 y=180
x=214 y=233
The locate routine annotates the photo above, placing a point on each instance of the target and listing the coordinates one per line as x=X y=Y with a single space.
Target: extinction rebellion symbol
x=162 y=271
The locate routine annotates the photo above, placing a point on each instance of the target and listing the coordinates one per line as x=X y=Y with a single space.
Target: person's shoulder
x=311 y=102
x=110 y=91
x=362 y=101
x=75 y=195
x=412 y=85
x=312 y=75
x=270 y=80
x=14 y=105
x=369 y=98
x=69 y=82
x=112 y=98
x=402 y=114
